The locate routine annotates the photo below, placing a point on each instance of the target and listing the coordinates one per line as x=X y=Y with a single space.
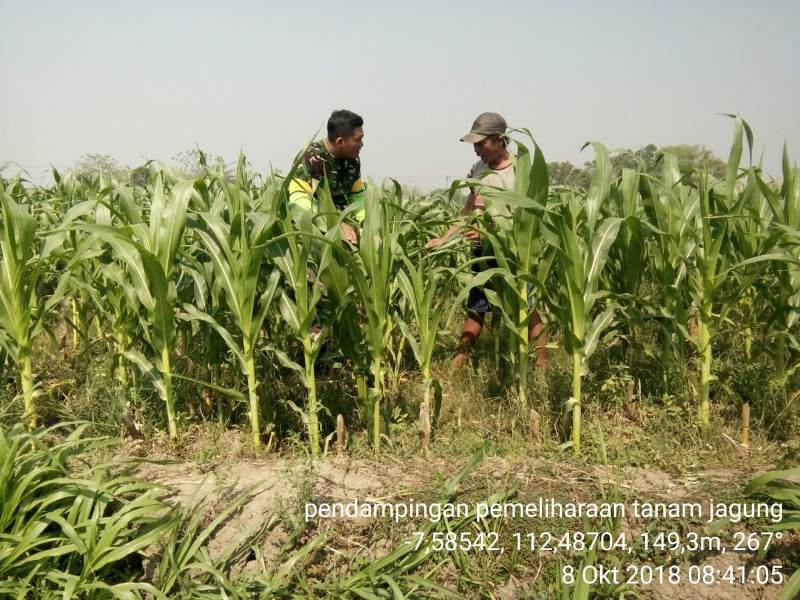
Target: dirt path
x=284 y=486
x=346 y=478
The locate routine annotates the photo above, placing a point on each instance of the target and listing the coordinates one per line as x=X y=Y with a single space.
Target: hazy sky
x=141 y=80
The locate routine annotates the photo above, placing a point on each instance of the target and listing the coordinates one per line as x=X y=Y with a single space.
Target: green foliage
x=692 y=159
x=583 y=247
x=212 y=284
x=233 y=233
x=149 y=254
x=523 y=258
x=102 y=533
x=65 y=536
x=23 y=268
x=780 y=486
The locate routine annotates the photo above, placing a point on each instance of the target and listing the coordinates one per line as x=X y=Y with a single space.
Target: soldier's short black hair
x=342 y=123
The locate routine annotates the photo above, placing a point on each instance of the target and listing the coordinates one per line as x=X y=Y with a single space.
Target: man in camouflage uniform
x=334 y=159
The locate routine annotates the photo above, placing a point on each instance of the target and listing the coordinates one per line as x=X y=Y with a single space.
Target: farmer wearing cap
x=334 y=158
x=495 y=168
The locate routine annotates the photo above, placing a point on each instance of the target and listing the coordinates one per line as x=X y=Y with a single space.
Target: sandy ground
x=283 y=484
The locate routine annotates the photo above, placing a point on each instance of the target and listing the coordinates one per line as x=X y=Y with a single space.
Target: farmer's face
x=489 y=149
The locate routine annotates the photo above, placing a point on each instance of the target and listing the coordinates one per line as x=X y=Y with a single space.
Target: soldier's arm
x=300 y=195
x=303 y=185
x=358 y=195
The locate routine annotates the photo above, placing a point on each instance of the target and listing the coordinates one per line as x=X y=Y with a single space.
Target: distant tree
x=100 y=164
x=141 y=175
x=193 y=163
x=691 y=158
x=696 y=158
x=565 y=173
x=645 y=158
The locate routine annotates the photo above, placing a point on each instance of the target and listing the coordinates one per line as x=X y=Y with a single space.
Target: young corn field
x=209 y=288
x=208 y=300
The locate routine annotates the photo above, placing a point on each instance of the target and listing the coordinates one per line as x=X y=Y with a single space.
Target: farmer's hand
x=434 y=243
x=473 y=235
x=349 y=233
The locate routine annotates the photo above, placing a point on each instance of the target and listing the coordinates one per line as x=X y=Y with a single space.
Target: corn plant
x=671 y=210
x=237 y=251
x=751 y=237
x=422 y=285
x=117 y=303
x=522 y=255
x=712 y=257
x=74 y=201
x=302 y=259
x=149 y=253
x=627 y=259
x=719 y=251
x=23 y=269
x=366 y=274
x=101 y=283
x=372 y=270
x=83 y=251
x=583 y=241
x=210 y=350
x=784 y=298
x=754 y=240
x=203 y=345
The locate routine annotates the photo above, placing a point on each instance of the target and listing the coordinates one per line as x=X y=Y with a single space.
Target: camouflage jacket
x=343 y=176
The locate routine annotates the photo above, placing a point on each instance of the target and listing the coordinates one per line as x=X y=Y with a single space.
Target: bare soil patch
x=284 y=484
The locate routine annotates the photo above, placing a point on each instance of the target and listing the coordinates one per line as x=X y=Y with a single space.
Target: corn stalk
x=713 y=254
x=372 y=269
x=149 y=253
x=297 y=255
x=23 y=269
x=238 y=257
x=421 y=285
x=784 y=298
x=522 y=256
x=583 y=240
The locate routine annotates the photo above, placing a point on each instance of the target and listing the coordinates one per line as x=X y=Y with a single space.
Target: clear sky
x=140 y=80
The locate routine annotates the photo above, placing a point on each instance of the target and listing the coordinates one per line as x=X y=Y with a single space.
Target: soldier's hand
x=349 y=233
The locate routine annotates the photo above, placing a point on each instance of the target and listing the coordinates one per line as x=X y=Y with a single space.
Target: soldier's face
x=350 y=146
